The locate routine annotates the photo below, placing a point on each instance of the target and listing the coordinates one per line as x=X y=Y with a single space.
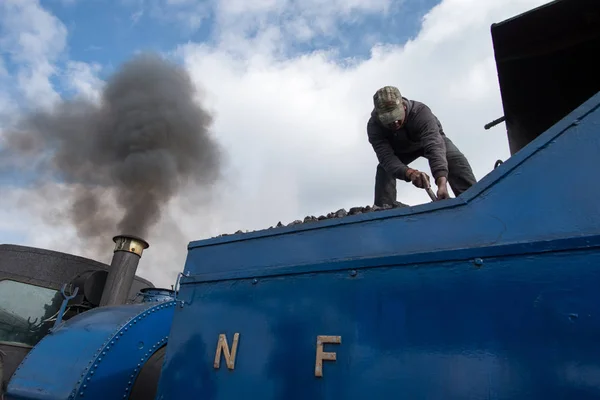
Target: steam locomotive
x=493 y=294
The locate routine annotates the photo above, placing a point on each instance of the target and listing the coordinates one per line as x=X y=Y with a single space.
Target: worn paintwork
x=512 y=327
x=490 y=295
x=95 y=355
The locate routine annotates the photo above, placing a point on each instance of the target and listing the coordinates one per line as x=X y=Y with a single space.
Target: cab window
x=26 y=312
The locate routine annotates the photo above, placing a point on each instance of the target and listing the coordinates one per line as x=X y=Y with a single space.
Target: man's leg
x=460 y=174
x=385 y=187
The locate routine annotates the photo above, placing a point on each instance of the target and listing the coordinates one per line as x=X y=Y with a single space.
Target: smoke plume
x=121 y=160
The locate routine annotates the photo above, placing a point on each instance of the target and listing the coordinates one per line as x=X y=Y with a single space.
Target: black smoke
x=146 y=140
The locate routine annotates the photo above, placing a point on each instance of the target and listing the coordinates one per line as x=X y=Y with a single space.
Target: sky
x=289 y=84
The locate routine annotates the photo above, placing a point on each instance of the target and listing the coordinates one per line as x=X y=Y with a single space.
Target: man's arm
x=433 y=143
x=385 y=154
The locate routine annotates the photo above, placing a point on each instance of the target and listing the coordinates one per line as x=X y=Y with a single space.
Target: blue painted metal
x=157 y=294
x=490 y=295
x=515 y=202
x=95 y=355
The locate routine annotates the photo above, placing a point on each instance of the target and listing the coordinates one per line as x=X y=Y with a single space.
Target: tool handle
x=494 y=122
x=431 y=194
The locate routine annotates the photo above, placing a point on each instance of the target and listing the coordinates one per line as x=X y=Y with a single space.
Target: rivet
x=478 y=262
x=254 y=281
x=103 y=353
x=353 y=273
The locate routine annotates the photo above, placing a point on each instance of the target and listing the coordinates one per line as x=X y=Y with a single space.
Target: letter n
x=224 y=347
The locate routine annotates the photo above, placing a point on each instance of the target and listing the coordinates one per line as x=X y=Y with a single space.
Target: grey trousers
x=460 y=175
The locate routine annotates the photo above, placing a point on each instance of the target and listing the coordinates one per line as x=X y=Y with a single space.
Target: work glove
x=418 y=178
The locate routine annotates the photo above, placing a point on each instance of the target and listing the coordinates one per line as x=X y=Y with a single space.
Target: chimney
x=127 y=254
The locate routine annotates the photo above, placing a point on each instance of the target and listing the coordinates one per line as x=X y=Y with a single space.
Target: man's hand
x=442 y=192
x=418 y=178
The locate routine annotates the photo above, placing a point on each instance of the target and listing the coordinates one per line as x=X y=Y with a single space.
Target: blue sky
x=108 y=32
x=289 y=84
x=105 y=33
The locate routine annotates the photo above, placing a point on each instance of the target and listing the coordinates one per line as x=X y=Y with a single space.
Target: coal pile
x=341 y=213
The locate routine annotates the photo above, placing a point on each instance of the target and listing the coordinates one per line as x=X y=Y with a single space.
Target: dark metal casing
x=127 y=253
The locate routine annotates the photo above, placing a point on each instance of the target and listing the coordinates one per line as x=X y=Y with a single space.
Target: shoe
x=396 y=204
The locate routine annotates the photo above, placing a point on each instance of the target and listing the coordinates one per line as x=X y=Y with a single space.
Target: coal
x=339 y=214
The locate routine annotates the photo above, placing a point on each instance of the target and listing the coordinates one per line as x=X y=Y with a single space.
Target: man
x=402 y=130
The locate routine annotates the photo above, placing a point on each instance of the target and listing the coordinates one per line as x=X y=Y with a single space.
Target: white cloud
x=36 y=41
x=294 y=129
x=3 y=71
x=185 y=15
x=300 y=19
x=83 y=79
x=33 y=38
x=297 y=20
x=6 y=106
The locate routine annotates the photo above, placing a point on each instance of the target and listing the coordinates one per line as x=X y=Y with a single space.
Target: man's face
x=396 y=125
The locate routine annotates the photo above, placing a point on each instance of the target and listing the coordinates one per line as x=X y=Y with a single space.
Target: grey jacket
x=422 y=132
